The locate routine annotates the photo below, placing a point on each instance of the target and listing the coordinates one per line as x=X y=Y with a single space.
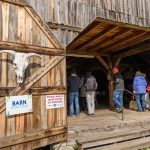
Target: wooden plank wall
x=18 y=26
x=73 y=15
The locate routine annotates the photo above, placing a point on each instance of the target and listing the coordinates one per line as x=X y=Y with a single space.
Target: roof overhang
x=105 y=37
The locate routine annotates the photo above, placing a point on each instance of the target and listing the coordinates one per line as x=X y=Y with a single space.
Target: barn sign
x=18 y=104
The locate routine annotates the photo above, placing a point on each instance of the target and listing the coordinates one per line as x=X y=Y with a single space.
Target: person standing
x=139 y=87
x=118 y=82
x=73 y=89
x=91 y=87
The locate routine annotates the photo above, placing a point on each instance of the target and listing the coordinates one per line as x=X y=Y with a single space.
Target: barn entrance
x=107 y=126
x=83 y=65
x=128 y=67
x=112 y=43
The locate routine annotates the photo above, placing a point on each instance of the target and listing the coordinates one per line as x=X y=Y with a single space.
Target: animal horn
x=32 y=54
x=8 y=51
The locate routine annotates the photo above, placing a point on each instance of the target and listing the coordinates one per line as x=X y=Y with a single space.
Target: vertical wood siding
x=17 y=26
x=79 y=13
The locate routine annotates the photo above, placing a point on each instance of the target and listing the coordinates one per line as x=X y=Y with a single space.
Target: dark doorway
x=82 y=65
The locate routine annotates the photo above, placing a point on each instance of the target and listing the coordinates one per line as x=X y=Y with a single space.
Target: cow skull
x=20 y=63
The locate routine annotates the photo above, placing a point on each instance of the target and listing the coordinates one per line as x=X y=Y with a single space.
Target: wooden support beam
x=110 y=78
x=108 y=66
x=111 y=89
x=19 y=3
x=85 y=52
x=28 y=48
x=117 y=62
x=35 y=88
x=33 y=136
x=122 y=24
x=82 y=56
x=47 y=92
x=134 y=51
x=110 y=62
x=102 y=61
x=32 y=80
x=36 y=91
x=64 y=27
x=110 y=85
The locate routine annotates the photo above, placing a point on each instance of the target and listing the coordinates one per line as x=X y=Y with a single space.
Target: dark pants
x=83 y=103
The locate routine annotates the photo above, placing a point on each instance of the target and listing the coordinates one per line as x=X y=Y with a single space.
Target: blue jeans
x=74 y=99
x=142 y=97
x=118 y=98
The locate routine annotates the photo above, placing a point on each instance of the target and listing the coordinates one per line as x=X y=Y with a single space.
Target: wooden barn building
x=68 y=18
x=94 y=35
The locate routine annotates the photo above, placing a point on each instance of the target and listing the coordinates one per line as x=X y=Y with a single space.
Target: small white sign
x=18 y=104
x=55 y=101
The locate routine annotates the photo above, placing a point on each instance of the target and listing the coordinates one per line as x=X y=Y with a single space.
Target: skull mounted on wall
x=20 y=63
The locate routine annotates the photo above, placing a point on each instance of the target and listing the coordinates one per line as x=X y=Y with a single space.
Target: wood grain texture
x=0 y=20
x=22 y=30
x=107 y=37
x=80 y=13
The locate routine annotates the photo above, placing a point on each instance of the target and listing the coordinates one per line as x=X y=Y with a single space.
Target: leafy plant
x=75 y=147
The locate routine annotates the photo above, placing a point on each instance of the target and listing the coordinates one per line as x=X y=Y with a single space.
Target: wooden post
x=110 y=85
x=108 y=66
x=117 y=62
x=101 y=60
x=111 y=89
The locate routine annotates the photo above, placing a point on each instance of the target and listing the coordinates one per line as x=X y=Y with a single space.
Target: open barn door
x=22 y=30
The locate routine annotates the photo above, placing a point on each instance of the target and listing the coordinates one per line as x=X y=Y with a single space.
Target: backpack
x=91 y=84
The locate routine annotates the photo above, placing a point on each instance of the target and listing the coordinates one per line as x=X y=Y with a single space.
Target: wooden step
x=135 y=144
x=108 y=139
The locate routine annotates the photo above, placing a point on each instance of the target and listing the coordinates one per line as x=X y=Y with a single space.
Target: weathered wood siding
x=17 y=26
x=74 y=15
